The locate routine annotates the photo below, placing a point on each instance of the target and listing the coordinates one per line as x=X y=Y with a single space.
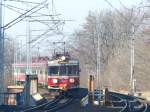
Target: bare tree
x=114 y=31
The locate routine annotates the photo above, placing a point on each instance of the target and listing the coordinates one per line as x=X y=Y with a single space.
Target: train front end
x=63 y=74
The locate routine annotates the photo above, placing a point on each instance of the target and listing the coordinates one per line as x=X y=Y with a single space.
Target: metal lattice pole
x=98 y=71
x=1 y=54
x=132 y=66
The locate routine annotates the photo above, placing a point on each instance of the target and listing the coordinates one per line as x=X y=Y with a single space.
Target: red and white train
x=60 y=73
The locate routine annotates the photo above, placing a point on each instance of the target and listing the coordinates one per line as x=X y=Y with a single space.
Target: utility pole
x=20 y=53
x=1 y=54
x=98 y=73
x=29 y=70
x=132 y=85
x=38 y=54
x=28 y=64
x=14 y=66
x=28 y=49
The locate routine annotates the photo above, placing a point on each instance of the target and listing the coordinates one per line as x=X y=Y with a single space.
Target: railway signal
x=91 y=83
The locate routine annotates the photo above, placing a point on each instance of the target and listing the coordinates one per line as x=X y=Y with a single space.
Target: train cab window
x=53 y=70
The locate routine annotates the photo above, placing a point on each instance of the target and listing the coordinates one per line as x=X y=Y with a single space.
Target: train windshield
x=53 y=70
x=64 y=70
x=72 y=70
x=69 y=70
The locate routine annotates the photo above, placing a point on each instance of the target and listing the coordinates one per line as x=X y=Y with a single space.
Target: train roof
x=37 y=64
x=60 y=62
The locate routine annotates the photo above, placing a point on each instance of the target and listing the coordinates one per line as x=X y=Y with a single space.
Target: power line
x=116 y=10
x=123 y=4
x=126 y=19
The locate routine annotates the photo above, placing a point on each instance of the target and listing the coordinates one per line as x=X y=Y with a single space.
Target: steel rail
x=59 y=106
x=42 y=105
x=133 y=104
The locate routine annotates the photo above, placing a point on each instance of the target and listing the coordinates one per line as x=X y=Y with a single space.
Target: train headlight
x=55 y=80
x=63 y=58
x=72 y=80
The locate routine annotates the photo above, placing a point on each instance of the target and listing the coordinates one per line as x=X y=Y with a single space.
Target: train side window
x=45 y=72
x=36 y=71
x=41 y=71
x=17 y=70
x=22 y=70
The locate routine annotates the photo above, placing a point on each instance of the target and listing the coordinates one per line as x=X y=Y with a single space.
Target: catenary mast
x=1 y=54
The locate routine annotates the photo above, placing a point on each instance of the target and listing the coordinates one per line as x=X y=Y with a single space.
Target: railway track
x=58 y=106
x=64 y=103
x=51 y=106
x=36 y=108
x=130 y=103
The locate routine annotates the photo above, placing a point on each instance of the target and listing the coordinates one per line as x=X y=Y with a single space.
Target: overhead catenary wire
x=21 y=19
x=21 y=9
x=23 y=1
x=56 y=24
x=26 y=16
x=37 y=39
x=23 y=16
x=56 y=21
